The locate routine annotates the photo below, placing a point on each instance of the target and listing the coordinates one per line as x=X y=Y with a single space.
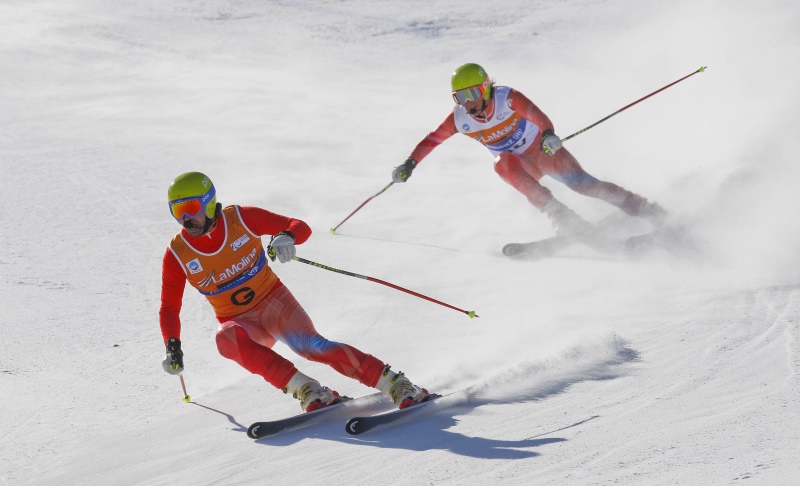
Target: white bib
x=505 y=131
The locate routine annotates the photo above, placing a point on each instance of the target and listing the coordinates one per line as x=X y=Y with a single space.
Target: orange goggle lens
x=190 y=206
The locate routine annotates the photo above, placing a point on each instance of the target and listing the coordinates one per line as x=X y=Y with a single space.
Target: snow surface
x=582 y=369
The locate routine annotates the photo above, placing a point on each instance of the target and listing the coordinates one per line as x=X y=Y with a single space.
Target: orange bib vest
x=234 y=278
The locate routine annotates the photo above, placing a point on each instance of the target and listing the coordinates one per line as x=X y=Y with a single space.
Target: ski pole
x=333 y=230
x=186 y=397
x=471 y=314
x=702 y=68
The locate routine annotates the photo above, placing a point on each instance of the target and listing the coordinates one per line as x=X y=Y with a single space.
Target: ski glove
x=173 y=361
x=282 y=246
x=403 y=172
x=550 y=142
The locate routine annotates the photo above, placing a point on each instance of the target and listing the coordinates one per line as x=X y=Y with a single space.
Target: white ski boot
x=400 y=389
x=311 y=394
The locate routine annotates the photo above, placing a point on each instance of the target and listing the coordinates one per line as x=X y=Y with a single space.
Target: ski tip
x=359 y=425
x=352 y=426
x=252 y=431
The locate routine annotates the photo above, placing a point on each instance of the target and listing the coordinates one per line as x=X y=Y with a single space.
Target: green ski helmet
x=469 y=83
x=190 y=194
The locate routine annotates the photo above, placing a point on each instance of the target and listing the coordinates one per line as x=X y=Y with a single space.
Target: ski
x=359 y=425
x=537 y=249
x=672 y=239
x=259 y=430
x=631 y=246
x=641 y=243
x=616 y=234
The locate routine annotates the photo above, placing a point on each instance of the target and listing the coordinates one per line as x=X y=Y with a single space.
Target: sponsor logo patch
x=240 y=242
x=242 y=267
x=194 y=266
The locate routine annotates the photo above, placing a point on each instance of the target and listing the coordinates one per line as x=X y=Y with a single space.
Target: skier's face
x=478 y=108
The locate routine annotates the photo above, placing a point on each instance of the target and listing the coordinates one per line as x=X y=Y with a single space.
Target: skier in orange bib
x=219 y=252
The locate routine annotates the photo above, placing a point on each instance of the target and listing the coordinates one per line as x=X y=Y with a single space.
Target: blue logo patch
x=194 y=266
x=465 y=127
x=240 y=242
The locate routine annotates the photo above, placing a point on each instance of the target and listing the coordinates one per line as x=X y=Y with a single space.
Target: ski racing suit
x=229 y=267
x=512 y=131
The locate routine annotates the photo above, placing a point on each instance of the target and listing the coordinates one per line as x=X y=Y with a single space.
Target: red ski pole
x=471 y=314
x=333 y=230
x=702 y=68
x=186 y=397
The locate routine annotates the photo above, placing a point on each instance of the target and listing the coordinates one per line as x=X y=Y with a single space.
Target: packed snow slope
x=585 y=368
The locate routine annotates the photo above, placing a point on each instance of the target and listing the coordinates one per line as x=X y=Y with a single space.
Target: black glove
x=173 y=361
x=403 y=172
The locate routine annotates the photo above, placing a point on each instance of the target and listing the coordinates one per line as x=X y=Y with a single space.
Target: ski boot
x=311 y=394
x=400 y=389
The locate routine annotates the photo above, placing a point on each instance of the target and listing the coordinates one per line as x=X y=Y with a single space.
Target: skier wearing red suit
x=219 y=252
x=522 y=139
